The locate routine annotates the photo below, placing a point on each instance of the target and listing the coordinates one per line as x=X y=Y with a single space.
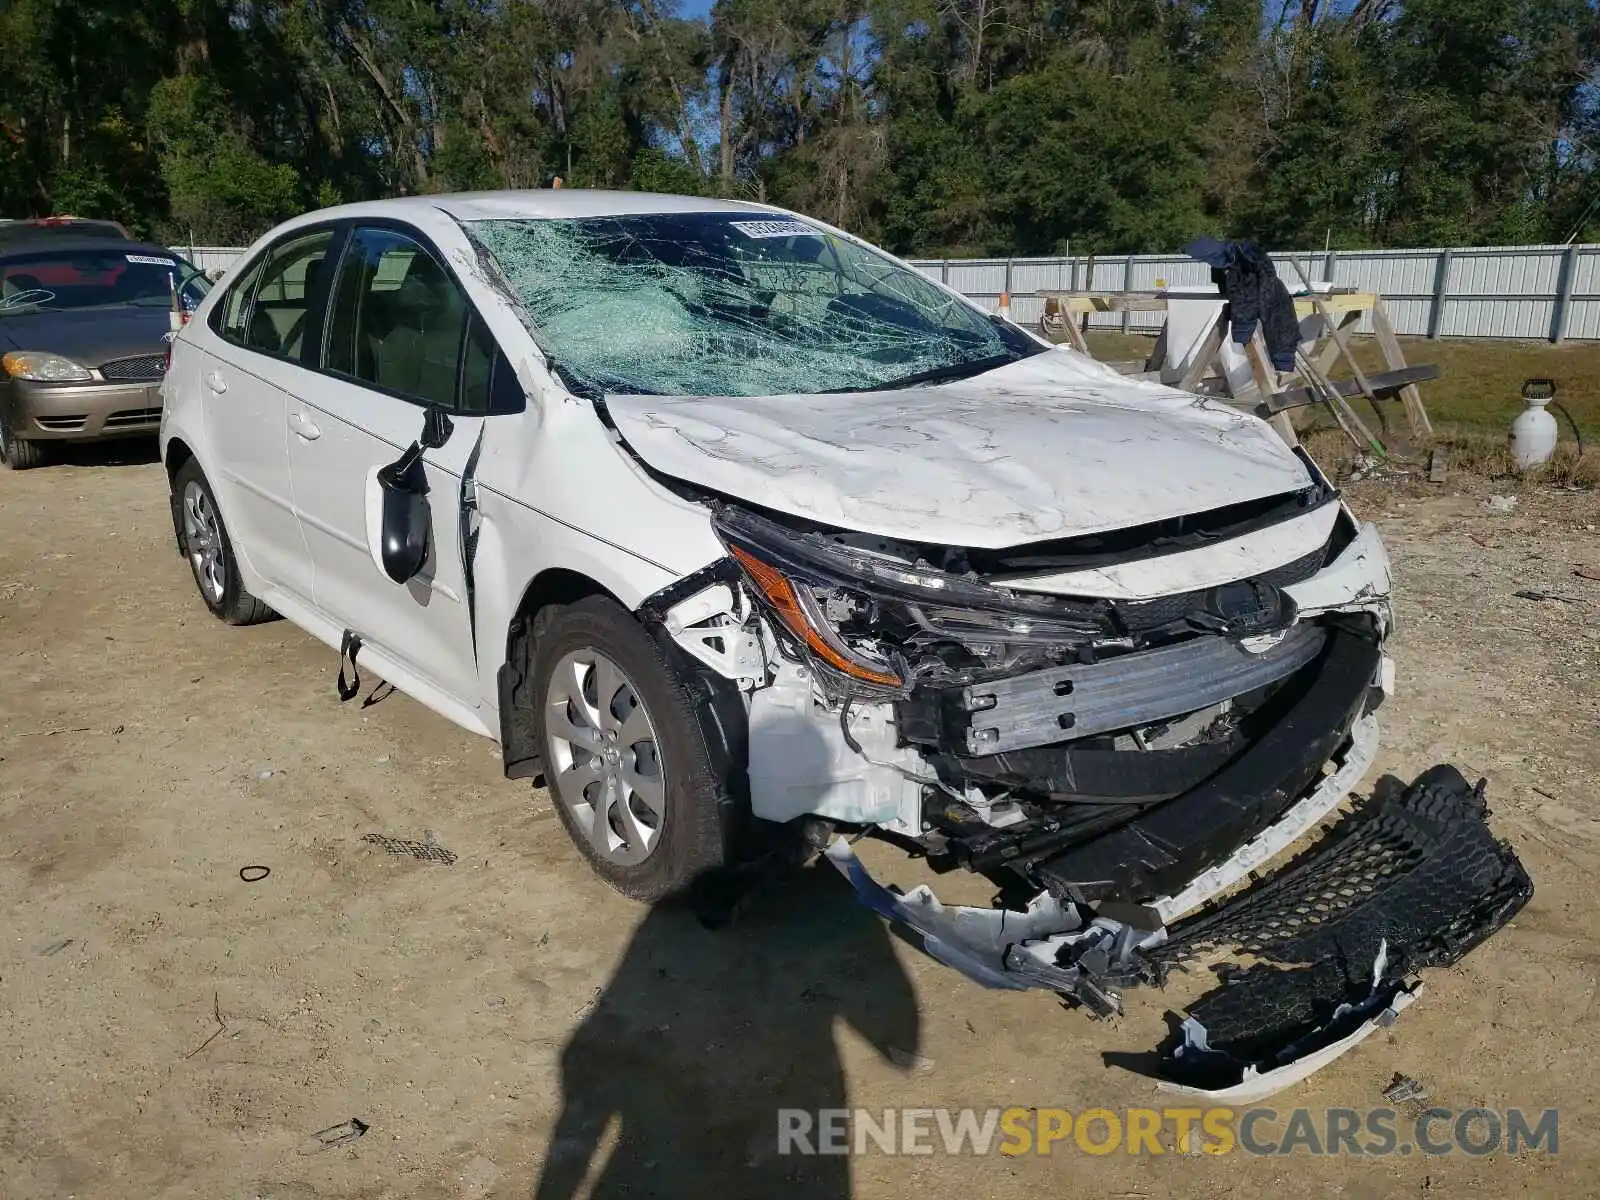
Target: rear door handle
x=304 y=427
x=216 y=383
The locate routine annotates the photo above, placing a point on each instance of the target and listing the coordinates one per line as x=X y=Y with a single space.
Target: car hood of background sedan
x=89 y=336
x=1052 y=446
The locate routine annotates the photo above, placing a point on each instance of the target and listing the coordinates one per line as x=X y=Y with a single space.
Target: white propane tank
x=1533 y=433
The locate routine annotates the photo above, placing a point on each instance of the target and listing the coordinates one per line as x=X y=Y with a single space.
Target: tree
x=935 y=126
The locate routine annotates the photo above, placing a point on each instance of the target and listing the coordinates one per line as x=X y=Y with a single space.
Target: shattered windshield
x=729 y=304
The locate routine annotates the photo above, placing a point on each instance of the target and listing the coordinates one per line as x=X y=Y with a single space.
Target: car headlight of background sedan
x=42 y=367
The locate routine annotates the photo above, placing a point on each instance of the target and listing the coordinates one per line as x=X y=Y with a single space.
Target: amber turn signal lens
x=781 y=595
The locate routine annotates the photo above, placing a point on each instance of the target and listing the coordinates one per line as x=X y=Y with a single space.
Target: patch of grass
x=1472 y=403
x=1480 y=385
x=1469 y=451
x=1110 y=346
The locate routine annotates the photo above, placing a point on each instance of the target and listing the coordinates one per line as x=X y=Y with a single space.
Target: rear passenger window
x=235 y=306
x=288 y=281
x=399 y=321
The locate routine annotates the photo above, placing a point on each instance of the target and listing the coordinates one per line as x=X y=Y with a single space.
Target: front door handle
x=304 y=427
x=216 y=383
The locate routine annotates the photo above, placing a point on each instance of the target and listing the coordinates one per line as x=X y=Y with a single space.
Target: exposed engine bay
x=1106 y=750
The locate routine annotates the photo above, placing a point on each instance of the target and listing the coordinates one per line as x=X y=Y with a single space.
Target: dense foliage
x=933 y=126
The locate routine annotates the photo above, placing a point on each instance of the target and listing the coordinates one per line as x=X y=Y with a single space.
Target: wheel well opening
x=548 y=589
x=178 y=453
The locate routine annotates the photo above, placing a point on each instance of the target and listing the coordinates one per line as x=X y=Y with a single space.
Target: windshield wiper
x=944 y=374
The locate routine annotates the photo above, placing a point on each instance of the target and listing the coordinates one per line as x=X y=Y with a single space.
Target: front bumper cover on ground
x=1411 y=878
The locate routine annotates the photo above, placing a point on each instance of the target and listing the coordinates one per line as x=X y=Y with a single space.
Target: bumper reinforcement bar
x=1086 y=699
x=1167 y=845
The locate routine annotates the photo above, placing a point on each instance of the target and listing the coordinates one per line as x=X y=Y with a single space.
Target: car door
x=248 y=371
x=399 y=336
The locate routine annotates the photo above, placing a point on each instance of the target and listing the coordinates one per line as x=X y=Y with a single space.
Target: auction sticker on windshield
x=774 y=229
x=149 y=258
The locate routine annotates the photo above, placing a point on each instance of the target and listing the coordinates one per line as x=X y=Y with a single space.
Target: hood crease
x=1052 y=446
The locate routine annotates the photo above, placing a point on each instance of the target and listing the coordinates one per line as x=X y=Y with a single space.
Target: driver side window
x=400 y=322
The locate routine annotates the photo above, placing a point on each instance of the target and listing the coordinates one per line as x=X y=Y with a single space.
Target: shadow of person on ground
x=673 y=1084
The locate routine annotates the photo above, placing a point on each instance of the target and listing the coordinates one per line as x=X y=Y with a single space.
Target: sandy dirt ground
x=508 y=1027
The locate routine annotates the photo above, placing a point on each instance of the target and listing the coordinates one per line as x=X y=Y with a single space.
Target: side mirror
x=407 y=520
x=406 y=517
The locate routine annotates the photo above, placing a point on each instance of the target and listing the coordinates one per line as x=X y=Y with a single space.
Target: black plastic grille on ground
x=1417 y=869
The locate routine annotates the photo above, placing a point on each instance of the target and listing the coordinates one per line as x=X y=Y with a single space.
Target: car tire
x=210 y=551
x=637 y=794
x=21 y=454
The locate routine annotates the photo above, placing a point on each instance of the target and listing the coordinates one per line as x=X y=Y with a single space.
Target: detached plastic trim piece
x=1414 y=879
x=1288 y=829
x=1255 y=1085
x=972 y=940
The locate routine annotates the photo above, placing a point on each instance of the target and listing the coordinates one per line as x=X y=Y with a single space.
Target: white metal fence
x=1490 y=292
x=1548 y=292
x=210 y=258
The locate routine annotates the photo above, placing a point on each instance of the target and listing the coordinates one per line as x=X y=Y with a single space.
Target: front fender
x=555 y=492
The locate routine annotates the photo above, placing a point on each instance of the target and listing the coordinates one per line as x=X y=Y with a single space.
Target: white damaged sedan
x=720 y=519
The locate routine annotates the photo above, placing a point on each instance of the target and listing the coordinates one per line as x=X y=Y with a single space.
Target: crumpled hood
x=1053 y=446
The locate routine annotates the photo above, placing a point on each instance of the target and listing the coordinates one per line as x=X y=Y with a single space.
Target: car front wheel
x=625 y=756
x=20 y=453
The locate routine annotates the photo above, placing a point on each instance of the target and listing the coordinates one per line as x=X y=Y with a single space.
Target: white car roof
x=526 y=205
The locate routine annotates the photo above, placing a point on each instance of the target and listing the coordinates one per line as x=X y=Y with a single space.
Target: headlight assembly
x=795 y=604
x=855 y=611
x=43 y=367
